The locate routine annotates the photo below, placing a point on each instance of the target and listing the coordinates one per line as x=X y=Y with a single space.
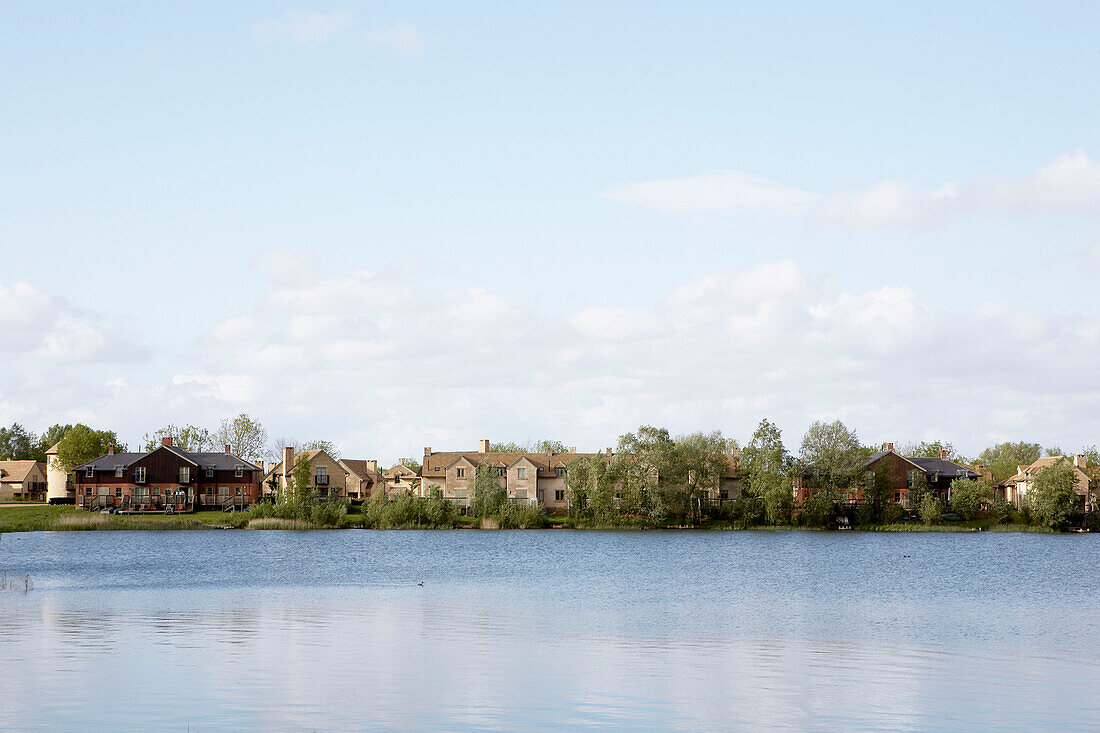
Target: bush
x=818 y=511
x=930 y=510
x=512 y=516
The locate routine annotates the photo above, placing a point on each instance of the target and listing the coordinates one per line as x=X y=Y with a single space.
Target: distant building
x=22 y=480
x=346 y=477
x=1014 y=489
x=902 y=472
x=59 y=484
x=402 y=479
x=167 y=479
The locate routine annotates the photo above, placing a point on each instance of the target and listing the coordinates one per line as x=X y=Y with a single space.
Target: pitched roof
x=1039 y=465
x=436 y=464
x=217 y=460
x=15 y=472
x=943 y=467
x=359 y=467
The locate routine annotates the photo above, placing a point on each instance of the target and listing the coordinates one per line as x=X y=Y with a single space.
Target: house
x=537 y=479
x=402 y=479
x=1015 y=488
x=22 y=480
x=167 y=479
x=59 y=483
x=902 y=471
x=347 y=477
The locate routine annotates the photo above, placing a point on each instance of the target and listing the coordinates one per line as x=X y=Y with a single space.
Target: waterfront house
x=22 y=481
x=167 y=479
x=903 y=470
x=402 y=479
x=360 y=478
x=1014 y=489
x=347 y=477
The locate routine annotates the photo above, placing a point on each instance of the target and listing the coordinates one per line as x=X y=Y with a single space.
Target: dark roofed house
x=167 y=479
x=902 y=471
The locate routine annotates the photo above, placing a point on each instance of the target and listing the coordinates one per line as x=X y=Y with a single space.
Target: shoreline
x=64 y=518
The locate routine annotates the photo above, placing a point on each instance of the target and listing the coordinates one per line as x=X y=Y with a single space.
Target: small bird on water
x=420 y=583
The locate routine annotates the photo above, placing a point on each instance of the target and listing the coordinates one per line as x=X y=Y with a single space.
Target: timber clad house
x=939 y=473
x=167 y=479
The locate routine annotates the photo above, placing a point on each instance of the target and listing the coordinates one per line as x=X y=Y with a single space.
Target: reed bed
x=277 y=523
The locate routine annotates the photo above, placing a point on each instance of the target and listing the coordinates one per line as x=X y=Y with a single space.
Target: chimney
x=607 y=452
x=889 y=446
x=288 y=463
x=227 y=448
x=110 y=450
x=483 y=445
x=1081 y=462
x=549 y=453
x=166 y=442
x=943 y=454
x=427 y=450
x=372 y=466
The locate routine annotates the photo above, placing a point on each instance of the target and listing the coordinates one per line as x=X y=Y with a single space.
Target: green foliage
x=18 y=444
x=968 y=498
x=411 y=463
x=323 y=445
x=409 y=512
x=297 y=500
x=1003 y=458
x=918 y=490
x=819 y=511
x=185 y=437
x=877 y=496
x=830 y=457
x=531 y=446
x=489 y=495
x=1052 y=497
x=244 y=436
x=766 y=465
x=527 y=516
x=82 y=444
x=925 y=449
x=931 y=512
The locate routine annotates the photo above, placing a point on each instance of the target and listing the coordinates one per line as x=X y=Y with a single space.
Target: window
x=87 y=491
x=521 y=493
x=139 y=475
x=90 y=473
x=559 y=495
x=209 y=472
x=501 y=471
x=185 y=474
x=559 y=472
x=460 y=493
x=237 y=491
x=119 y=470
x=538 y=495
x=521 y=473
x=118 y=491
x=723 y=495
x=238 y=472
x=460 y=473
x=897 y=497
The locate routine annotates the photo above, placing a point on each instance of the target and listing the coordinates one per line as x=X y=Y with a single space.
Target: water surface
x=555 y=629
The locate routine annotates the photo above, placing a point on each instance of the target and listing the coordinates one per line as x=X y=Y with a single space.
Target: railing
x=320 y=480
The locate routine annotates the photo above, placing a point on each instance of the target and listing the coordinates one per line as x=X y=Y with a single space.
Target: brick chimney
x=372 y=466
x=228 y=449
x=288 y=464
x=166 y=442
x=889 y=446
x=427 y=450
x=943 y=454
x=110 y=450
x=607 y=452
x=483 y=445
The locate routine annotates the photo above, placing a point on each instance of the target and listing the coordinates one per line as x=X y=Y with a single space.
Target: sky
x=395 y=225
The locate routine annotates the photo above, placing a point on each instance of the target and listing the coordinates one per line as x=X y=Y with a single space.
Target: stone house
x=22 y=480
x=1014 y=489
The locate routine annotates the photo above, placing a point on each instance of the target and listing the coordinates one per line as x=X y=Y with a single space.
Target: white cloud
x=400 y=38
x=1068 y=184
x=302 y=27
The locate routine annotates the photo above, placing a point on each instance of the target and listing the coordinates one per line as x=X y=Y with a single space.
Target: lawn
x=37 y=517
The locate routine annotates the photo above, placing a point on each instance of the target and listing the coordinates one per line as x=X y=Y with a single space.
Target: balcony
x=320 y=480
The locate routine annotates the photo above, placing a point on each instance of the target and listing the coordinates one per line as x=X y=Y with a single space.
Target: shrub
x=930 y=510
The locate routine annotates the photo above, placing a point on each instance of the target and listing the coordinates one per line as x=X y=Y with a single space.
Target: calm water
x=537 y=630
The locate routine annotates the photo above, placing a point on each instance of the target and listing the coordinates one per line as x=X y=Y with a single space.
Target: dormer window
x=559 y=472
x=119 y=470
x=209 y=472
x=500 y=472
x=90 y=473
x=238 y=472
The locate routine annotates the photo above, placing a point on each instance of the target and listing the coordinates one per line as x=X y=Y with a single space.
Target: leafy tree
x=325 y=445
x=930 y=510
x=489 y=496
x=185 y=437
x=1003 y=458
x=766 y=465
x=411 y=463
x=877 y=496
x=82 y=444
x=831 y=457
x=1054 y=451
x=918 y=490
x=969 y=497
x=699 y=461
x=932 y=449
x=53 y=435
x=581 y=477
x=1052 y=497
x=298 y=498
x=244 y=436
x=17 y=443
x=536 y=446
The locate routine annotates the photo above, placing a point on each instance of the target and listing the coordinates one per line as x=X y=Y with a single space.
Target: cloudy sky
x=393 y=225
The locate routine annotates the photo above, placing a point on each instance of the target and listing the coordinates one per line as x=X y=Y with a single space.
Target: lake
x=240 y=630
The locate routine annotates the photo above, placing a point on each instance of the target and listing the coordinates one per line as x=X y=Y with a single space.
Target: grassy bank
x=41 y=517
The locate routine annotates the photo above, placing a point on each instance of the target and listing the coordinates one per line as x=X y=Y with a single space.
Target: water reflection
x=641 y=631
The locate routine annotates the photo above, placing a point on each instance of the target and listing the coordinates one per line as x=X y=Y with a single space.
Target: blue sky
x=920 y=178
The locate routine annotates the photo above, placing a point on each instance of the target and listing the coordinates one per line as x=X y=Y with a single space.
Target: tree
x=699 y=461
x=968 y=497
x=325 y=445
x=17 y=443
x=1053 y=450
x=930 y=510
x=831 y=457
x=185 y=437
x=1002 y=459
x=53 y=435
x=877 y=495
x=244 y=436
x=298 y=498
x=918 y=489
x=489 y=496
x=1052 y=497
x=82 y=444
x=766 y=465
x=644 y=462
x=925 y=449
x=535 y=446
x=410 y=463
